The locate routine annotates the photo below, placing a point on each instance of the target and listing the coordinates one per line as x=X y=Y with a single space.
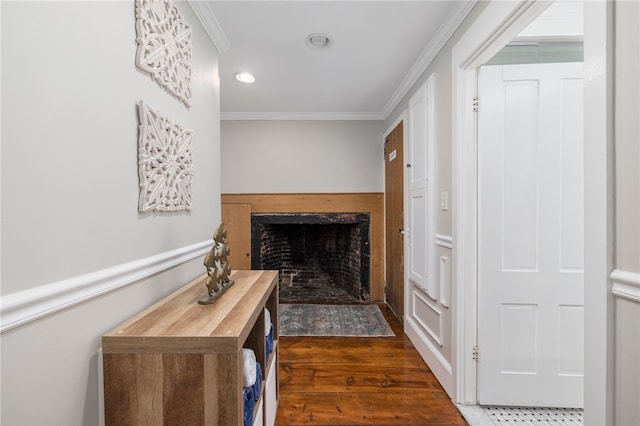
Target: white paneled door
x=530 y=207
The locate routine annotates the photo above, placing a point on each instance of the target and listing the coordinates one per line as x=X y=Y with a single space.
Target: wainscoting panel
x=424 y=327
x=445 y=280
x=428 y=316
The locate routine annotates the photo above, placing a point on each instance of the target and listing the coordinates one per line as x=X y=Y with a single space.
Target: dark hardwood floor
x=359 y=381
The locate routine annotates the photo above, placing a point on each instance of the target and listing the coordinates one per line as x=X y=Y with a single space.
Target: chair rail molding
x=25 y=306
x=445 y=241
x=626 y=284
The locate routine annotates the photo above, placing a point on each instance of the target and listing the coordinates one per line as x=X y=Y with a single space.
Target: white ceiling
x=380 y=49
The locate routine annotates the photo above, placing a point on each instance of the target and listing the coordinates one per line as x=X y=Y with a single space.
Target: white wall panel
x=421 y=146
x=417 y=238
x=418 y=111
x=444 y=281
x=427 y=315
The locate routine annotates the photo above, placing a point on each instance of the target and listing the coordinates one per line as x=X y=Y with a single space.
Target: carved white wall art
x=164 y=46
x=165 y=166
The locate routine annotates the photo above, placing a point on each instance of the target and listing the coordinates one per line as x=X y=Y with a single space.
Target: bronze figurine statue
x=218 y=267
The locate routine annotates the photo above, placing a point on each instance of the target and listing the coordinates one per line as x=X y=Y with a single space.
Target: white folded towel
x=248 y=367
x=267 y=322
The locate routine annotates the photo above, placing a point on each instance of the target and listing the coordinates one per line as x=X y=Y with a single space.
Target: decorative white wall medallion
x=164 y=162
x=164 y=46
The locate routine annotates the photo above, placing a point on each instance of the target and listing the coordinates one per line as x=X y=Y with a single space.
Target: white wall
x=627 y=206
x=70 y=190
x=302 y=156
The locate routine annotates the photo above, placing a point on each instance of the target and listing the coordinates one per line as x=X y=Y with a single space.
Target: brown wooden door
x=394 y=222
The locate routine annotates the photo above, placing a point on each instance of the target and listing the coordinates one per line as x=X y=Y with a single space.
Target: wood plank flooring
x=359 y=381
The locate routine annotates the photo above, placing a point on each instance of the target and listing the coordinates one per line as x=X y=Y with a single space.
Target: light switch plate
x=444 y=201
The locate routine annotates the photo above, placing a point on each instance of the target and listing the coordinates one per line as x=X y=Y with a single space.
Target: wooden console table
x=179 y=362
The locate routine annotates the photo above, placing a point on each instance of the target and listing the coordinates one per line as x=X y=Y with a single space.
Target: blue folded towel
x=257 y=386
x=269 y=343
x=249 y=404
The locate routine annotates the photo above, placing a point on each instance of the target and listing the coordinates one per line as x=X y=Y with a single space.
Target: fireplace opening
x=322 y=258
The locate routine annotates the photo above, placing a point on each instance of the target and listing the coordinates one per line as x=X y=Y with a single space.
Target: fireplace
x=322 y=258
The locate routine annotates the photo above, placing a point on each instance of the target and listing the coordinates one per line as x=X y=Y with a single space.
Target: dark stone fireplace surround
x=322 y=257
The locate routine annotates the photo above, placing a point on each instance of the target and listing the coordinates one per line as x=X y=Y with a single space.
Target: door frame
x=496 y=25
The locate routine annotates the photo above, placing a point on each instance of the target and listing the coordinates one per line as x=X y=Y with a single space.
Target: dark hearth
x=321 y=257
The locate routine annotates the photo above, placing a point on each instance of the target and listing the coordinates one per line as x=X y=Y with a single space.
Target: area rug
x=333 y=320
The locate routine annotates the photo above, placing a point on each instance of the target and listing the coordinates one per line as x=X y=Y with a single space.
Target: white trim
x=20 y=308
x=498 y=24
x=445 y=241
x=444 y=277
x=239 y=116
x=599 y=303
x=626 y=284
x=207 y=18
x=486 y=33
x=436 y=43
x=436 y=336
x=437 y=363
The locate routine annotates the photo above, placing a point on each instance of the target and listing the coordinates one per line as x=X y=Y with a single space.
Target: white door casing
x=530 y=235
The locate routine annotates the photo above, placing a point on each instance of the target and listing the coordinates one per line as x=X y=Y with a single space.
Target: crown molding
x=311 y=116
x=207 y=18
x=445 y=32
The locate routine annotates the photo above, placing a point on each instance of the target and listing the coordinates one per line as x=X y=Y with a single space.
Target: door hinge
x=475 y=353
x=476 y=104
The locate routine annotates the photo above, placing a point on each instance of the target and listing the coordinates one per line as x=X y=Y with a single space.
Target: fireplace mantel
x=237 y=210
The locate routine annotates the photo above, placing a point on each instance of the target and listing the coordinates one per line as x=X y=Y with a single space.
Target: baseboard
x=439 y=366
x=20 y=308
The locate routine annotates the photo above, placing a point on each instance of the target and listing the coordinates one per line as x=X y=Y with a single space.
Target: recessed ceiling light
x=245 y=77
x=319 y=41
